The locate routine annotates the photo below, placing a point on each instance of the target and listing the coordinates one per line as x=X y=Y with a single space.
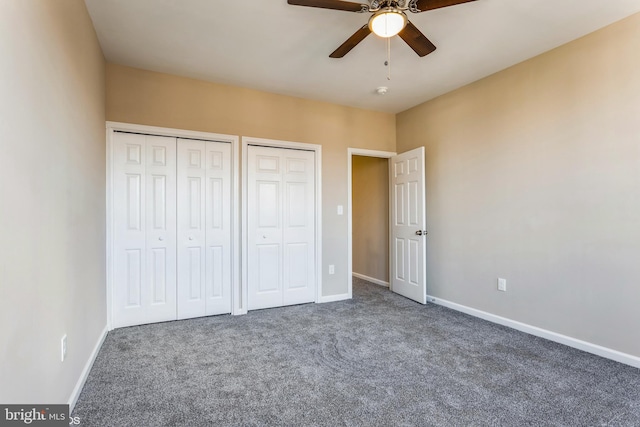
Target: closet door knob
x=161 y=238
x=190 y=237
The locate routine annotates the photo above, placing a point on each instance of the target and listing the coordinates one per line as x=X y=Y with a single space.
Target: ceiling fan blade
x=331 y=4
x=424 y=5
x=416 y=40
x=351 y=42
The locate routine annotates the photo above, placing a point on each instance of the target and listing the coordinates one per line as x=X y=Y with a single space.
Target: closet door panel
x=161 y=228
x=144 y=237
x=264 y=264
x=281 y=227
x=218 y=228
x=204 y=228
x=299 y=226
x=191 y=228
x=129 y=229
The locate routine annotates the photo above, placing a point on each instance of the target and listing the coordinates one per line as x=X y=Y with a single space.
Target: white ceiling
x=275 y=47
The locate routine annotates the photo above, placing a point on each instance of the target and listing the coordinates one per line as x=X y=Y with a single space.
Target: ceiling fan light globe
x=387 y=22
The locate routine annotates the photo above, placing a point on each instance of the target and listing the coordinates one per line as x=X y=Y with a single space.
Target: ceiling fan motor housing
x=375 y=5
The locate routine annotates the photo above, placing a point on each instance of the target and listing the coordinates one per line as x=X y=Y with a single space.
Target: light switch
x=340 y=210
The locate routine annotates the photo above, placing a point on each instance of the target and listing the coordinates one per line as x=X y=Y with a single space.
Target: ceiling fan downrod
x=388 y=61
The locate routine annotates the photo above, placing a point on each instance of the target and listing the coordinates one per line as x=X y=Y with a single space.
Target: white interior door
x=407 y=225
x=281 y=230
x=204 y=228
x=144 y=198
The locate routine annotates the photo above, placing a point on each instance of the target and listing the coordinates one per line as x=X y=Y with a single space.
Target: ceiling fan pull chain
x=389 y=58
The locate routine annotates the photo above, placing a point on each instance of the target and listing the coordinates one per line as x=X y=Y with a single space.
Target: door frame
x=111 y=128
x=262 y=142
x=350 y=153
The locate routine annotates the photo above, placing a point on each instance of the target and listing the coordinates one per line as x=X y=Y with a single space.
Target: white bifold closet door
x=144 y=227
x=281 y=227
x=171 y=228
x=204 y=228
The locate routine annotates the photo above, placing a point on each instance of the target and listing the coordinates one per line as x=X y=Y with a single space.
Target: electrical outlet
x=502 y=284
x=63 y=348
x=332 y=269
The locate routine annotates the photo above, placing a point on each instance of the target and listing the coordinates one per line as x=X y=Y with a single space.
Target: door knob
x=190 y=237
x=161 y=238
x=421 y=232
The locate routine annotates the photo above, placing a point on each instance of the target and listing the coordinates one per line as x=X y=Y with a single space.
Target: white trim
x=109 y=226
x=176 y=133
x=371 y=279
x=112 y=127
x=598 y=350
x=350 y=153
x=236 y=305
x=75 y=394
x=371 y=153
x=246 y=141
x=334 y=298
x=244 y=284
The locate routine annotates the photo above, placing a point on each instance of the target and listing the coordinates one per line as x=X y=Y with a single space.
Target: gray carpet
x=376 y=360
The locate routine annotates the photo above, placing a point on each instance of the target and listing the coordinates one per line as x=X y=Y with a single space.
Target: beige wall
x=149 y=98
x=52 y=197
x=370 y=210
x=533 y=174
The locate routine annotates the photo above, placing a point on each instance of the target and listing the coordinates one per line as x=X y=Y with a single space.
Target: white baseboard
x=371 y=279
x=333 y=298
x=85 y=372
x=598 y=350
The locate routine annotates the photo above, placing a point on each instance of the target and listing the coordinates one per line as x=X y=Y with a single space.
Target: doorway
x=370 y=214
x=406 y=255
x=368 y=237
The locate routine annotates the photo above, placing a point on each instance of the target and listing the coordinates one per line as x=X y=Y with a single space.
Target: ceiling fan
x=388 y=19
